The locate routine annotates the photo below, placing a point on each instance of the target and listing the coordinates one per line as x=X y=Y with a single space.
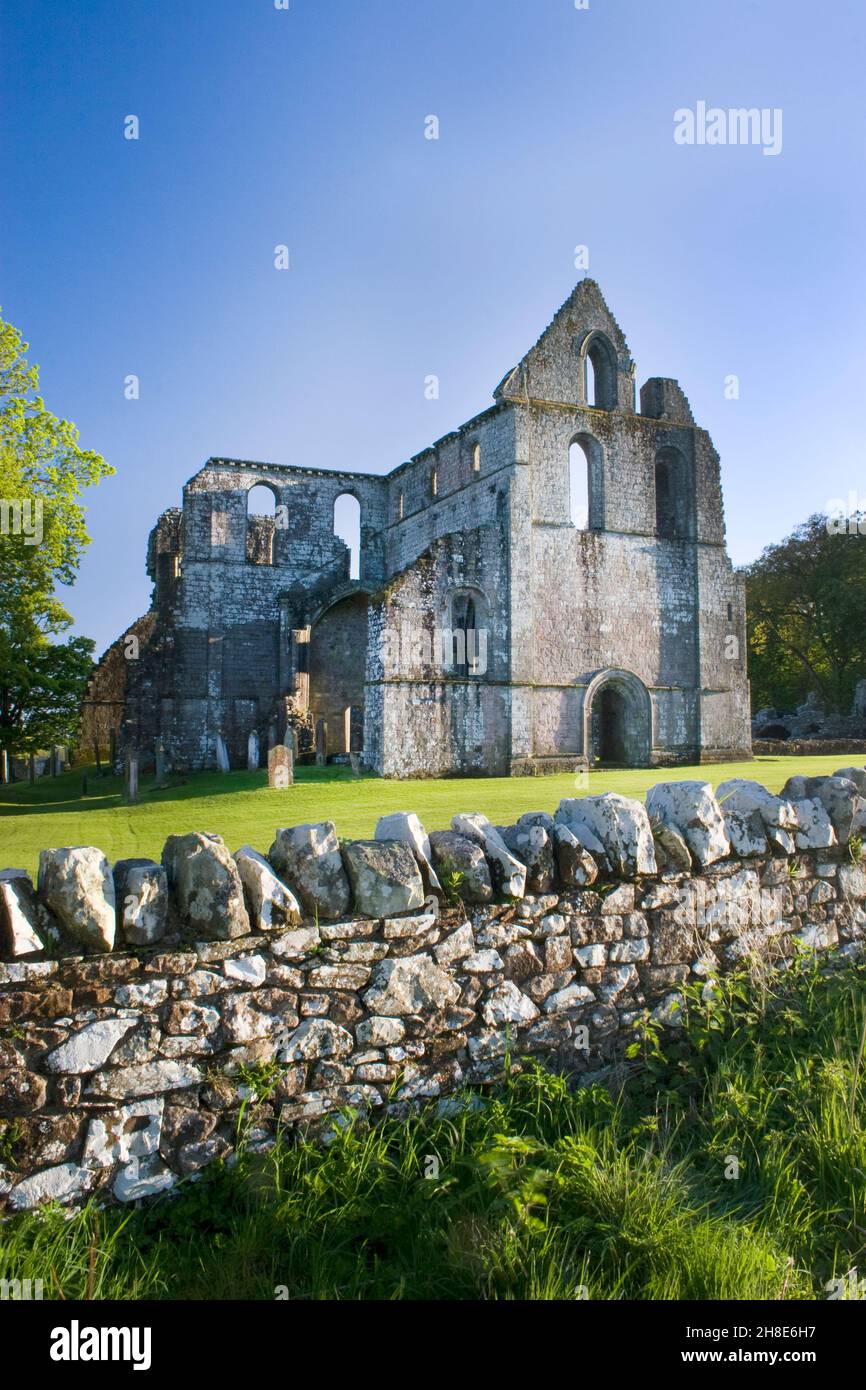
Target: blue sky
x=411 y=257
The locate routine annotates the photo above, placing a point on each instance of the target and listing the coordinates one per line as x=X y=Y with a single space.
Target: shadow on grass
x=63 y=794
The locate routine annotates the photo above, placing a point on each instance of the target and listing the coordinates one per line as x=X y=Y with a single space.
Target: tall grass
x=533 y=1189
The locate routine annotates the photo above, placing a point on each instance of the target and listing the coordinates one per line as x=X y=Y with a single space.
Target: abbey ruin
x=492 y=629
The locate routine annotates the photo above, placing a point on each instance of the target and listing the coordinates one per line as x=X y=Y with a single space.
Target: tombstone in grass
x=281 y=766
x=130 y=780
x=291 y=740
x=161 y=762
x=356 y=762
x=253 y=751
x=321 y=743
x=222 y=754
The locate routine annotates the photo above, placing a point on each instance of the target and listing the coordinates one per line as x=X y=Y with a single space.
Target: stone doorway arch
x=617 y=719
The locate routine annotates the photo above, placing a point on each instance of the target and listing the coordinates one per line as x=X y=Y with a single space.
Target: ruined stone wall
x=219 y=660
x=485 y=509
x=423 y=718
x=152 y=1017
x=616 y=595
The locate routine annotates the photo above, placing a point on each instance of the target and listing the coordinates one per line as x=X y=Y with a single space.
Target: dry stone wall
x=150 y=1014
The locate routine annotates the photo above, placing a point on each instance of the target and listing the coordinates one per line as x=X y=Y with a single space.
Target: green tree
x=43 y=472
x=805 y=602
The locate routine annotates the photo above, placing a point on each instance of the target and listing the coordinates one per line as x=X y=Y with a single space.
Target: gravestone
x=281 y=766
x=222 y=754
x=161 y=761
x=253 y=751
x=130 y=789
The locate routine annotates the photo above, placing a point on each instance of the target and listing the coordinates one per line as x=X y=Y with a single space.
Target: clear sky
x=409 y=257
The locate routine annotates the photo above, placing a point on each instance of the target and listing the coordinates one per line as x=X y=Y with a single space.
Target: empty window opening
x=578 y=487
x=600 y=374
x=590 y=381
x=261 y=520
x=347 y=526
x=468 y=654
x=671 y=501
x=476 y=458
x=434 y=482
x=400 y=507
x=261 y=501
x=730 y=612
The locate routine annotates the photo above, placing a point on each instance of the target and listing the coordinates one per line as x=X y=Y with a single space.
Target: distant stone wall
x=151 y=1013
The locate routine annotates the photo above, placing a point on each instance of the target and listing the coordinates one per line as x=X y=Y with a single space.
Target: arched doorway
x=337 y=658
x=618 y=720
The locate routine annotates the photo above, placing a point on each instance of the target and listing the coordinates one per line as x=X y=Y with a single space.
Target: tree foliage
x=806 y=614
x=43 y=473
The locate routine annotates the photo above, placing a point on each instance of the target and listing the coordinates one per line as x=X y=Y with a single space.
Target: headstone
x=355 y=760
x=130 y=790
x=253 y=751
x=161 y=761
x=281 y=766
x=222 y=754
x=291 y=740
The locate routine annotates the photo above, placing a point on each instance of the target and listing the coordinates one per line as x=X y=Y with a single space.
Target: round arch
x=618 y=719
x=262 y=500
x=593 y=455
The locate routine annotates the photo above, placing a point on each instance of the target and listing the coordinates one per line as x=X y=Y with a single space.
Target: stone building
x=546 y=584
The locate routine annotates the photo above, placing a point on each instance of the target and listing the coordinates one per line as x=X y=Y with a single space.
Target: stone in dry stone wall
x=26 y=925
x=691 y=808
x=308 y=858
x=384 y=875
x=77 y=886
x=270 y=904
x=454 y=854
x=141 y=892
x=206 y=885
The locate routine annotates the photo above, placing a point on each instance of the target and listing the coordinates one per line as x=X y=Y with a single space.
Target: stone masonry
x=487 y=632
x=153 y=1016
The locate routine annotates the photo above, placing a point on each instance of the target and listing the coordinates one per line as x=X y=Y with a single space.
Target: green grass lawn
x=536 y=1192
x=244 y=810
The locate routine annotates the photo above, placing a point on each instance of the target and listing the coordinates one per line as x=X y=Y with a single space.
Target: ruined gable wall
x=219 y=665
x=619 y=597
